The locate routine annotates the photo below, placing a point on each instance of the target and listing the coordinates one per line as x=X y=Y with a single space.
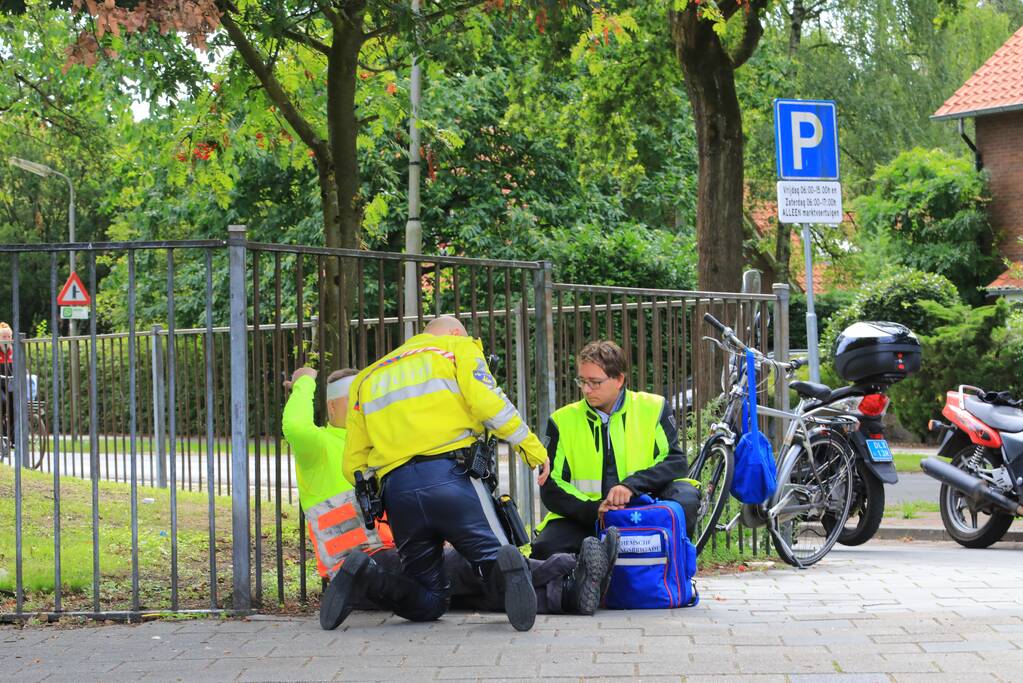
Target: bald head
x=446 y=325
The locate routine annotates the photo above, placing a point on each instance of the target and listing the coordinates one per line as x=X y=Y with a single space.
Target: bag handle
x=749 y=404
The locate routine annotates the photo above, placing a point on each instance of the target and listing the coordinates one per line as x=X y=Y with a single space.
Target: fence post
x=781 y=352
x=543 y=297
x=159 y=408
x=240 y=541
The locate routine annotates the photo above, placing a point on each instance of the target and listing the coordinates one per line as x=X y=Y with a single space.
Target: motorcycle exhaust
x=974 y=488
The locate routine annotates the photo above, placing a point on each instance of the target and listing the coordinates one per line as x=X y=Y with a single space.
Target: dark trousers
x=566 y=535
x=429 y=502
x=7 y=407
x=469 y=591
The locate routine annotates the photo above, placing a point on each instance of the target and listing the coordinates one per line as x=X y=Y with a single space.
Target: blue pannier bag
x=656 y=560
x=755 y=478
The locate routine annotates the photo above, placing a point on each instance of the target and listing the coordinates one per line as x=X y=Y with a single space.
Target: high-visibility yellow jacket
x=335 y=523
x=637 y=448
x=431 y=395
x=318 y=451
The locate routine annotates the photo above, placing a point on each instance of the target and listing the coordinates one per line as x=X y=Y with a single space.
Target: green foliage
x=927 y=208
x=978 y=346
x=627 y=255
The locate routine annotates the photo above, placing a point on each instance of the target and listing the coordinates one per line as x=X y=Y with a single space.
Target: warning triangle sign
x=73 y=293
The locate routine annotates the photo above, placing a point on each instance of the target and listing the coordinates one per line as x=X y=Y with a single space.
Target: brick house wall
x=1000 y=141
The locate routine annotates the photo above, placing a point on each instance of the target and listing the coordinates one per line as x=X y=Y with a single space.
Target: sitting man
x=612 y=445
x=563 y=584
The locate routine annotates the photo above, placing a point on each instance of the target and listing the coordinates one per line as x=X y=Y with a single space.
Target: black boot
x=583 y=586
x=517 y=584
x=339 y=598
x=610 y=545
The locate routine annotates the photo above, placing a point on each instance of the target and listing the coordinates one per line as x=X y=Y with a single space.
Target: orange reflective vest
x=336 y=527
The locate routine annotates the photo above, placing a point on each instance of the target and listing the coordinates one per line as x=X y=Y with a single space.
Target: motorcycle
x=873 y=356
x=982 y=486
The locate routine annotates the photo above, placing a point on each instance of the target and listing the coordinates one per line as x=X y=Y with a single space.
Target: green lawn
x=907 y=462
x=115 y=546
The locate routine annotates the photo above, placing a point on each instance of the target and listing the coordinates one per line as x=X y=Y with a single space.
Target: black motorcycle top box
x=881 y=352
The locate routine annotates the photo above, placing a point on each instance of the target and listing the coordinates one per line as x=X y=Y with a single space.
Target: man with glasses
x=610 y=446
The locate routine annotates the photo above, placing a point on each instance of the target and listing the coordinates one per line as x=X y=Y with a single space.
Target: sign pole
x=811 y=316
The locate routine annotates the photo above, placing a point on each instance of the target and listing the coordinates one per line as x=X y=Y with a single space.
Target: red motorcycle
x=982 y=488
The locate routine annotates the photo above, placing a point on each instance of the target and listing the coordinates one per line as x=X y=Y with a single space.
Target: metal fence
x=165 y=482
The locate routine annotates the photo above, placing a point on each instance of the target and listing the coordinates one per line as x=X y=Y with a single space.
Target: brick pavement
x=881 y=612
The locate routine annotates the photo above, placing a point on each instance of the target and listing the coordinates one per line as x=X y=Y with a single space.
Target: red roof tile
x=1010 y=279
x=996 y=86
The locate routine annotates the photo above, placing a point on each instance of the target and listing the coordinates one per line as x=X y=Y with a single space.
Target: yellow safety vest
x=431 y=395
x=634 y=434
x=335 y=522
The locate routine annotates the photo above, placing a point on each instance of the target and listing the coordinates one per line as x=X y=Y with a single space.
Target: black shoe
x=587 y=577
x=610 y=546
x=339 y=598
x=519 y=596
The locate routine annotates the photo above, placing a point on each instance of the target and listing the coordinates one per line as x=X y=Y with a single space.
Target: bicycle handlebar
x=714 y=322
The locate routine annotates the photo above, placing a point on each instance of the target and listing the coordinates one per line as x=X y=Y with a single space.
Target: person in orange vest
x=6 y=382
x=564 y=583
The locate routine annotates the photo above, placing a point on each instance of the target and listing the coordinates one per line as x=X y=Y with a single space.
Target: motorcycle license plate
x=879 y=451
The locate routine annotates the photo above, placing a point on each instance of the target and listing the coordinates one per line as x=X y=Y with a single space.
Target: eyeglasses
x=591 y=383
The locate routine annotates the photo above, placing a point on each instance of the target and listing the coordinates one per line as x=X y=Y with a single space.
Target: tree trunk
x=710 y=83
x=796 y=19
x=782 y=253
x=342 y=225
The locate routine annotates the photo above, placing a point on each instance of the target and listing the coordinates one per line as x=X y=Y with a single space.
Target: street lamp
x=45 y=172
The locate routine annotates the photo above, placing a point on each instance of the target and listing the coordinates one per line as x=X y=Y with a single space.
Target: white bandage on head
x=339 y=388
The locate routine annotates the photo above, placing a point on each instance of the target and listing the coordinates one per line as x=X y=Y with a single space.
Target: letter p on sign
x=806 y=139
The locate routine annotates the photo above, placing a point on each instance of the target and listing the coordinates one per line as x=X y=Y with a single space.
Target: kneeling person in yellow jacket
x=412 y=418
x=336 y=526
x=610 y=446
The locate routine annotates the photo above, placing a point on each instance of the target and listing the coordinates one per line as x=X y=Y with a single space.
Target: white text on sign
x=801 y=201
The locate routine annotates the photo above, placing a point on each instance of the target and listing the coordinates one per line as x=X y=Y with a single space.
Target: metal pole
x=543 y=284
x=781 y=352
x=413 y=227
x=159 y=408
x=811 y=317
x=72 y=323
x=242 y=598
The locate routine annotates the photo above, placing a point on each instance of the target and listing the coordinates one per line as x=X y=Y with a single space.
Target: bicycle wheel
x=811 y=504
x=38 y=441
x=714 y=468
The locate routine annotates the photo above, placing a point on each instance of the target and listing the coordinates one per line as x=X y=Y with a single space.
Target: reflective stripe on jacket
x=336 y=528
x=431 y=395
x=637 y=441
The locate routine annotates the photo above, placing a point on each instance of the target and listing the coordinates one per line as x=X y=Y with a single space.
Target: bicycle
x=37 y=437
x=815 y=472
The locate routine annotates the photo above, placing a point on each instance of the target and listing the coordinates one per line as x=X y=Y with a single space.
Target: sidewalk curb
x=893 y=533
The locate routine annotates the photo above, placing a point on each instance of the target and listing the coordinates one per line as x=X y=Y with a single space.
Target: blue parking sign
x=806 y=139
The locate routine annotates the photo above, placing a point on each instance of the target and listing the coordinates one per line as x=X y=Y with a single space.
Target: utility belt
x=480 y=462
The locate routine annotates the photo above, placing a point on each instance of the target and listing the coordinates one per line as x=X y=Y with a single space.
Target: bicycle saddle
x=811 y=390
